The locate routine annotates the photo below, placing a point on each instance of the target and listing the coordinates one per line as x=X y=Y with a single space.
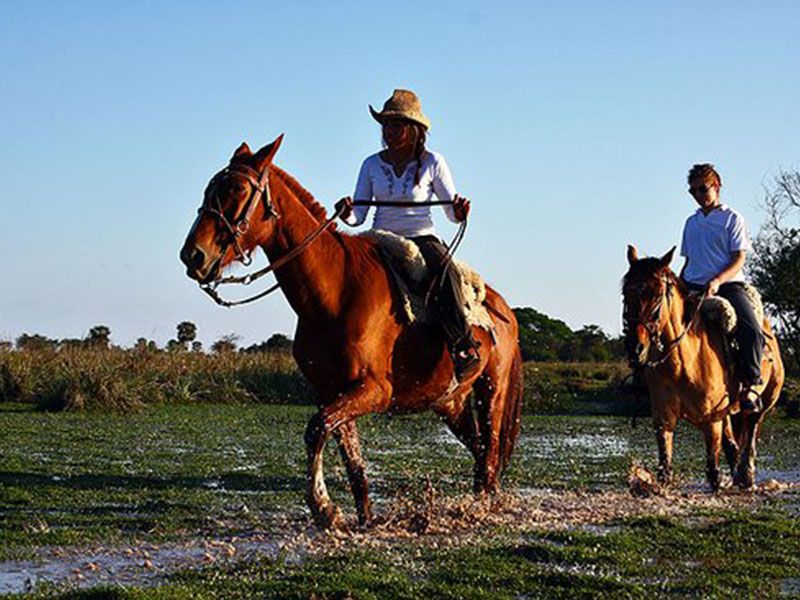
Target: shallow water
x=140 y=566
x=211 y=472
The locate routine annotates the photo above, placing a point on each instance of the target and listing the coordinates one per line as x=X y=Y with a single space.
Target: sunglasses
x=700 y=189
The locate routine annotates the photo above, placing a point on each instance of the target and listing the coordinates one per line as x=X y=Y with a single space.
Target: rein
x=651 y=328
x=240 y=227
x=211 y=288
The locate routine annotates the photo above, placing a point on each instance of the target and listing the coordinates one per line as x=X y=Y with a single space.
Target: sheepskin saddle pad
x=718 y=312
x=407 y=266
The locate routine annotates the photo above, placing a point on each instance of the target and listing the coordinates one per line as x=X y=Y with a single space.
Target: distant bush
x=574 y=388
x=114 y=378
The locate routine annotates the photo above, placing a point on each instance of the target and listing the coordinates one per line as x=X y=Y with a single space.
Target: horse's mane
x=305 y=197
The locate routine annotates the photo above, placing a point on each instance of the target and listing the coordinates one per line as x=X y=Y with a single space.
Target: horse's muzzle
x=637 y=355
x=199 y=266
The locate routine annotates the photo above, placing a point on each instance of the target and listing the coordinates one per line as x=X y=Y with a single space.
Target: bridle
x=259 y=183
x=240 y=226
x=651 y=325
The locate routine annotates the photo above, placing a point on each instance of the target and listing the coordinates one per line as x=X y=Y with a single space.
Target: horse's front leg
x=350 y=449
x=713 y=434
x=365 y=397
x=664 y=435
x=730 y=446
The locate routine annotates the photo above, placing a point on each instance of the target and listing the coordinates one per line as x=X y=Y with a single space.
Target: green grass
x=173 y=472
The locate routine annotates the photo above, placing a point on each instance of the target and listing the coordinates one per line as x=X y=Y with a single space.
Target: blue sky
x=570 y=125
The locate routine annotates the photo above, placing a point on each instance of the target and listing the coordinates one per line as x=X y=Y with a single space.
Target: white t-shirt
x=377 y=181
x=709 y=240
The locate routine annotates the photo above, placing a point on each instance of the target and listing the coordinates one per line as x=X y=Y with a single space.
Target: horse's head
x=236 y=216
x=645 y=286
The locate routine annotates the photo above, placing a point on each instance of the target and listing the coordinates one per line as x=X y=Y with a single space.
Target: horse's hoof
x=714 y=479
x=745 y=480
x=664 y=478
x=329 y=517
x=365 y=520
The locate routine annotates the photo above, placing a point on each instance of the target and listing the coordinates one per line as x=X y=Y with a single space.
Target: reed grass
x=125 y=379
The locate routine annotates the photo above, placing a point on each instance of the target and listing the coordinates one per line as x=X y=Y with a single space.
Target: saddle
x=407 y=267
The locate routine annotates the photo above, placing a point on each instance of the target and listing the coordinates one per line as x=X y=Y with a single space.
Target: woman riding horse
x=405 y=172
x=355 y=348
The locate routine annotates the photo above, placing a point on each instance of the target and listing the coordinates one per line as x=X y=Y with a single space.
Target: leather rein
x=259 y=184
x=260 y=189
x=652 y=325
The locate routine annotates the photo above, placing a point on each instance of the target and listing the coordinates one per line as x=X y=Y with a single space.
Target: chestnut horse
x=686 y=373
x=351 y=341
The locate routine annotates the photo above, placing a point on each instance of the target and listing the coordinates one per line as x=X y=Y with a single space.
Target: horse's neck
x=677 y=314
x=688 y=356
x=311 y=281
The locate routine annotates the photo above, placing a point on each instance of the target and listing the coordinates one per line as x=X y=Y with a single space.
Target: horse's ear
x=667 y=258
x=633 y=255
x=243 y=150
x=267 y=153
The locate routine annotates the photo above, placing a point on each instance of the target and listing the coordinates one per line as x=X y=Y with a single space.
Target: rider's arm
x=443 y=186
x=683 y=268
x=733 y=267
x=363 y=191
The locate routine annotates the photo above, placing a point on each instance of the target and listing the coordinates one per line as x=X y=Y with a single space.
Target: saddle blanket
x=719 y=312
x=407 y=265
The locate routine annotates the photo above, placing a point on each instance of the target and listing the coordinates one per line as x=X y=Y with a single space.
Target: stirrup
x=466 y=363
x=466 y=359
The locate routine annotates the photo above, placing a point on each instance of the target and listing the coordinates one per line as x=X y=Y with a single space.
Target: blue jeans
x=749 y=332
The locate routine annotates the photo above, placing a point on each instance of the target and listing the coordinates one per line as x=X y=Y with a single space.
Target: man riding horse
x=715 y=242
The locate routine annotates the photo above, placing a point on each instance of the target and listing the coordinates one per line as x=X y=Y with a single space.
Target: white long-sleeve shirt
x=377 y=181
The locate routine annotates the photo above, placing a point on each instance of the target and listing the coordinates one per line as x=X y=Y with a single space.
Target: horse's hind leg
x=462 y=421
x=748 y=434
x=350 y=449
x=713 y=435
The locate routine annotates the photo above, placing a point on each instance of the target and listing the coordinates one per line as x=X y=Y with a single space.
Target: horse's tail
x=512 y=410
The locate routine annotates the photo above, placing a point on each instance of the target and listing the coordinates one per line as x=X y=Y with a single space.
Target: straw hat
x=403 y=104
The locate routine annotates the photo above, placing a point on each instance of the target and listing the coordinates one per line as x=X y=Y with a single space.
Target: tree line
x=542 y=338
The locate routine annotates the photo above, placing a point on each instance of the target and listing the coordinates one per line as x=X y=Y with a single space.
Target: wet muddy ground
x=176 y=499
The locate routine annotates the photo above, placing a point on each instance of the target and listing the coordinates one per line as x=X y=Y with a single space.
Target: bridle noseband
x=258 y=189
x=651 y=325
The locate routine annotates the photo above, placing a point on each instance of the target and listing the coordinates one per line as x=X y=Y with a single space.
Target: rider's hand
x=712 y=287
x=460 y=207
x=345 y=205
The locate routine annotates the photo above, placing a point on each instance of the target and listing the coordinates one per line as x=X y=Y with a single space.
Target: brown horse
x=686 y=371
x=351 y=341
